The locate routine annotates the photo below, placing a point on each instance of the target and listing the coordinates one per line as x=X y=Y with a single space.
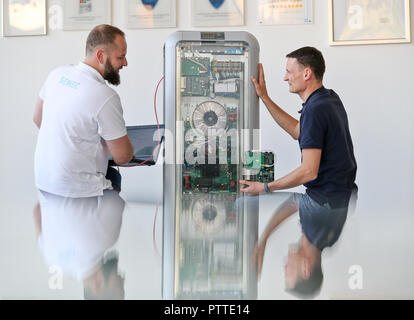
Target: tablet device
x=144 y=140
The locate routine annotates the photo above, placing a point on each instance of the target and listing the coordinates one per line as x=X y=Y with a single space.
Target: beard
x=110 y=74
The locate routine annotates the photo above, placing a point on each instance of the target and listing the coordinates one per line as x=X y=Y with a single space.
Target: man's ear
x=307 y=73
x=305 y=268
x=100 y=53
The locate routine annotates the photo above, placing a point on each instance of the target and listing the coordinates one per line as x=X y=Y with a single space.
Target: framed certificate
x=293 y=12
x=150 y=13
x=85 y=14
x=23 y=17
x=369 y=22
x=214 y=13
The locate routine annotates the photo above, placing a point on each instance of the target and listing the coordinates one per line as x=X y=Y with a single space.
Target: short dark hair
x=103 y=35
x=312 y=58
x=309 y=288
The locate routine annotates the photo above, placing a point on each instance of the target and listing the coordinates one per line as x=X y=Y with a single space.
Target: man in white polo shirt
x=81 y=118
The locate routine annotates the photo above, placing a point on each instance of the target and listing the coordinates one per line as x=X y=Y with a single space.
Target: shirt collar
x=316 y=92
x=92 y=71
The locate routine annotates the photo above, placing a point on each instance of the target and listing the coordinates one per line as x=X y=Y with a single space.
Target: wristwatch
x=266 y=187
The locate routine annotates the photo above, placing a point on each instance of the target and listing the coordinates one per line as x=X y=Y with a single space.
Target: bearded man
x=81 y=119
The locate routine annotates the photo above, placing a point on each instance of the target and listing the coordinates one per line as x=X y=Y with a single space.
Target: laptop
x=144 y=140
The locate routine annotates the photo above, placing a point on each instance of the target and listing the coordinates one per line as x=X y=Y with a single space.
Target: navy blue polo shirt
x=324 y=125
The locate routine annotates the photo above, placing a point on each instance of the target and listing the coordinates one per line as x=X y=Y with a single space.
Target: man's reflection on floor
x=76 y=234
x=321 y=228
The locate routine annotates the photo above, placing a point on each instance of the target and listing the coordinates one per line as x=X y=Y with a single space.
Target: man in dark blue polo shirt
x=328 y=169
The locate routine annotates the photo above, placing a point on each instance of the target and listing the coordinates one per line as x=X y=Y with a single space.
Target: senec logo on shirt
x=69 y=83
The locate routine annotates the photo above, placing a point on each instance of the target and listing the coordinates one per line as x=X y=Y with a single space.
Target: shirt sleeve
x=111 y=123
x=42 y=93
x=312 y=129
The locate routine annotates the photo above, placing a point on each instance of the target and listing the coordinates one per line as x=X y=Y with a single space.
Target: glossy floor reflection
x=104 y=247
x=207 y=248
x=376 y=243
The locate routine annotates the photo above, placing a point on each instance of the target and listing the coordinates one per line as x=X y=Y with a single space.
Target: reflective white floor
x=373 y=259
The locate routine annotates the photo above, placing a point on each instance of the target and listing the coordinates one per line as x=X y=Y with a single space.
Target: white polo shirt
x=79 y=110
x=77 y=233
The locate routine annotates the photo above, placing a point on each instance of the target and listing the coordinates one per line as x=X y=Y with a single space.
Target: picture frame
x=294 y=12
x=217 y=13
x=355 y=22
x=85 y=14
x=23 y=18
x=146 y=14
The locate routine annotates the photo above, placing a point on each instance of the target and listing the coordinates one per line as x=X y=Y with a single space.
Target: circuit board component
x=259 y=166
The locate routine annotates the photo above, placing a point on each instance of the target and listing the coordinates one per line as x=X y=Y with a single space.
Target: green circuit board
x=261 y=164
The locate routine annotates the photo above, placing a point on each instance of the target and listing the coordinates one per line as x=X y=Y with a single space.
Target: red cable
x=154 y=242
x=139 y=164
x=158 y=126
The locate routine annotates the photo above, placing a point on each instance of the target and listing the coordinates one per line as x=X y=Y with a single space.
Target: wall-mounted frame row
x=351 y=22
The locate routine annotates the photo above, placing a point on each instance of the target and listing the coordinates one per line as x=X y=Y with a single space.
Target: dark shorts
x=322 y=225
x=115 y=177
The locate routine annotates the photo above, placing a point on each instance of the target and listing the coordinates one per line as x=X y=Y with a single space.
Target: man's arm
x=37 y=217
x=306 y=172
x=289 y=207
x=287 y=122
x=120 y=149
x=37 y=117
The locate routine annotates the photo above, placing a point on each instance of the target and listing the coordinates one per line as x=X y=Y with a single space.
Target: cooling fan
x=210 y=115
x=209 y=216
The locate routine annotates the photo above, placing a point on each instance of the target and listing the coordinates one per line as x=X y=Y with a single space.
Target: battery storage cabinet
x=211 y=114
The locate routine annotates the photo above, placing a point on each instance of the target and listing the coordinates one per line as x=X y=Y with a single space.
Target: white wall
x=374 y=81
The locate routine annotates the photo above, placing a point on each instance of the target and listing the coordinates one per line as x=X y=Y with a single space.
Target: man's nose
x=125 y=62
